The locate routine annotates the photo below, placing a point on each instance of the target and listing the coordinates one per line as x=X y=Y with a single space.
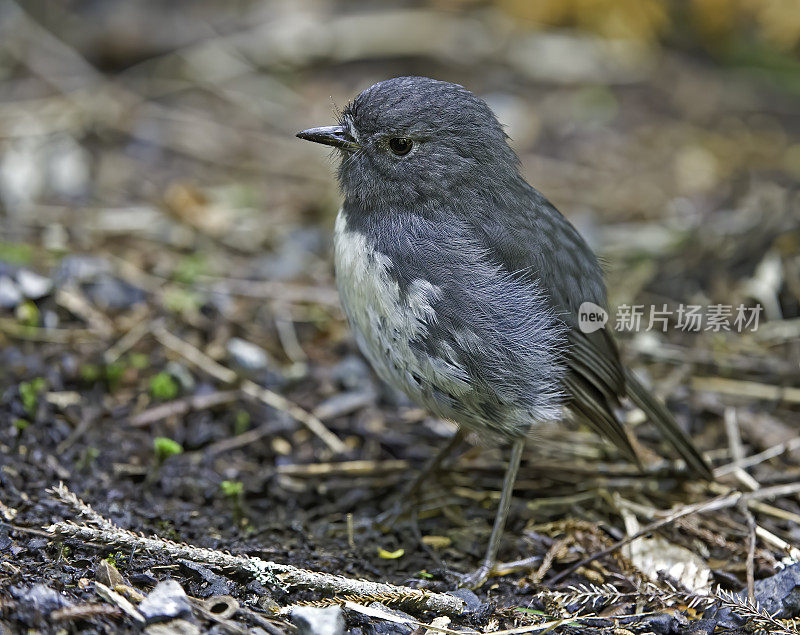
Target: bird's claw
x=475 y=579
x=386 y=520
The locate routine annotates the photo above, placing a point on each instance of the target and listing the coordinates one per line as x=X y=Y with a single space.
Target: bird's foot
x=386 y=520
x=475 y=579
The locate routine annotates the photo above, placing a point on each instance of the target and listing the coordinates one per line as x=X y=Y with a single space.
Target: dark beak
x=336 y=136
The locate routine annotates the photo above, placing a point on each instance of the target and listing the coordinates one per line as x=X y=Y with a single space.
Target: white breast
x=384 y=321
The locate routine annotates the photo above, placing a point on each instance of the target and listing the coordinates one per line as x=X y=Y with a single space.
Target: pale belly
x=386 y=322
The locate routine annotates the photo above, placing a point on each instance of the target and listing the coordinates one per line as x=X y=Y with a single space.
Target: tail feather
x=663 y=419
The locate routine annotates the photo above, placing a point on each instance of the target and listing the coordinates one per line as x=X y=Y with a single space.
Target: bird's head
x=417 y=141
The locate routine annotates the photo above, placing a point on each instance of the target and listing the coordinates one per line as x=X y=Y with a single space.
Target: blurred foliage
x=714 y=24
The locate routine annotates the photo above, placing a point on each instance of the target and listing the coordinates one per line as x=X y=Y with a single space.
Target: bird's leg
x=402 y=505
x=478 y=577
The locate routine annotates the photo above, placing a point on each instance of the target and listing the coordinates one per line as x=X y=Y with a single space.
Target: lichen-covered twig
x=268 y=573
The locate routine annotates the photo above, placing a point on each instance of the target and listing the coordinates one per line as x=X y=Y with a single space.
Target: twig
x=737 y=451
x=74 y=302
x=342 y=468
x=557 y=550
x=267 y=573
x=751 y=550
x=126 y=342
x=12 y=328
x=279 y=402
x=747 y=389
x=182 y=406
x=720 y=502
x=761 y=457
x=226 y=375
x=122 y=603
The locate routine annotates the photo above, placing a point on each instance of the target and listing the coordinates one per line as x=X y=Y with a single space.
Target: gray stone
x=385 y=627
x=40 y=598
x=80 y=269
x=173 y=627
x=311 y=620
x=10 y=295
x=182 y=375
x=32 y=285
x=166 y=602
x=247 y=355
x=108 y=292
x=780 y=594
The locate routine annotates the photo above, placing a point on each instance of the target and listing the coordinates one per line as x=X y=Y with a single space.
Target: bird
x=462 y=283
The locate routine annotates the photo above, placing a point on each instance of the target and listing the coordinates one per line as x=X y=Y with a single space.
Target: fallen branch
x=268 y=573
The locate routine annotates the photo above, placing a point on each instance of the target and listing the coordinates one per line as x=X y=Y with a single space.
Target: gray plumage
x=460 y=280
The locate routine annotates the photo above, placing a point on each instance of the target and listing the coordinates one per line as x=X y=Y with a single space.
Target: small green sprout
x=242 y=422
x=28 y=314
x=88 y=456
x=165 y=448
x=29 y=392
x=163 y=387
x=234 y=491
x=139 y=361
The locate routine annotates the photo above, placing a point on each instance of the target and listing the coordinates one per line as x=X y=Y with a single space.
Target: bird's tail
x=663 y=419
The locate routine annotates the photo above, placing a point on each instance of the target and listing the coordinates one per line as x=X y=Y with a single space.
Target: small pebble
x=40 y=597
x=167 y=601
x=10 y=295
x=247 y=355
x=32 y=285
x=311 y=620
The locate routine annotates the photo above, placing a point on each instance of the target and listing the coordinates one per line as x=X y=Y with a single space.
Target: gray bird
x=462 y=283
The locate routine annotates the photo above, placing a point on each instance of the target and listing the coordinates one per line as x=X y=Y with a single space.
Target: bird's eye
x=401 y=146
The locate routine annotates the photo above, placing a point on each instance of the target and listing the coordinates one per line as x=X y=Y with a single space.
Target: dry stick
x=737 y=454
x=737 y=451
x=751 y=389
x=267 y=573
x=557 y=550
x=126 y=342
x=755 y=459
x=182 y=406
x=720 y=502
x=227 y=376
x=751 y=550
x=75 y=302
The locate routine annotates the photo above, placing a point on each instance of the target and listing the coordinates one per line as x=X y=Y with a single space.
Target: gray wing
x=540 y=242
